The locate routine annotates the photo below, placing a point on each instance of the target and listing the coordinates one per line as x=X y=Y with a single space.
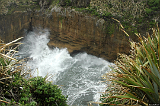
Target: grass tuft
x=8 y=69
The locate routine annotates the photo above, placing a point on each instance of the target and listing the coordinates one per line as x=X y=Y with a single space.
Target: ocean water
x=79 y=77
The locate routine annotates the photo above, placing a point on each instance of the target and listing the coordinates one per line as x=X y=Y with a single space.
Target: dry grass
x=9 y=65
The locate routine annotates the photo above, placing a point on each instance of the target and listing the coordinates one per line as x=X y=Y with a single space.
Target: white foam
x=80 y=75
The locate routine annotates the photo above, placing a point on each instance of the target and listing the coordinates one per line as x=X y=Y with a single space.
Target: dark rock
x=75 y=52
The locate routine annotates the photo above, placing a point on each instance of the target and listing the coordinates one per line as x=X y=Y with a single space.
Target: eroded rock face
x=14 y=26
x=73 y=30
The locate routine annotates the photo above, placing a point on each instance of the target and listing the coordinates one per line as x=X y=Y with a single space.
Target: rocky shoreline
x=75 y=30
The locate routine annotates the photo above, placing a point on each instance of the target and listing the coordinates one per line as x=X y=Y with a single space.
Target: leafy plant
x=152 y=7
x=135 y=78
x=45 y=93
x=107 y=14
x=68 y=2
x=148 y=11
x=154 y=4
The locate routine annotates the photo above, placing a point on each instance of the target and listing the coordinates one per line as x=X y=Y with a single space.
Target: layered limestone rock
x=14 y=26
x=69 y=29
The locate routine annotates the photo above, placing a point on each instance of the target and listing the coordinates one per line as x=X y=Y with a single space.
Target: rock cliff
x=71 y=29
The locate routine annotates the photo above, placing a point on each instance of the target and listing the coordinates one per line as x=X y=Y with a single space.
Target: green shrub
x=107 y=14
x=45 y=93
x=152 y=7
x=148 y=11
x=154 y=4
x=68 y=2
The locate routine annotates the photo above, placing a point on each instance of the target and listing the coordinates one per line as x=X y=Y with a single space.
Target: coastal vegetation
x=134 y=80
x=18 y=87
x=133 y=14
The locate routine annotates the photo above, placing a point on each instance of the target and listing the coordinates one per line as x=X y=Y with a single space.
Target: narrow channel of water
x=78 y=76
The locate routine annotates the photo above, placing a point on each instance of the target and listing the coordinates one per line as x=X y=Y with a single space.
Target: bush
x=135 y=78
x=154 y=4
x=68 y=2
x=45 y=93
x=148 y=11
x=107 y=15
x=153 y=7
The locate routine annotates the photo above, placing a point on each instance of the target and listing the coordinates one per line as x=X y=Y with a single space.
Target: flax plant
x=135 y=80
